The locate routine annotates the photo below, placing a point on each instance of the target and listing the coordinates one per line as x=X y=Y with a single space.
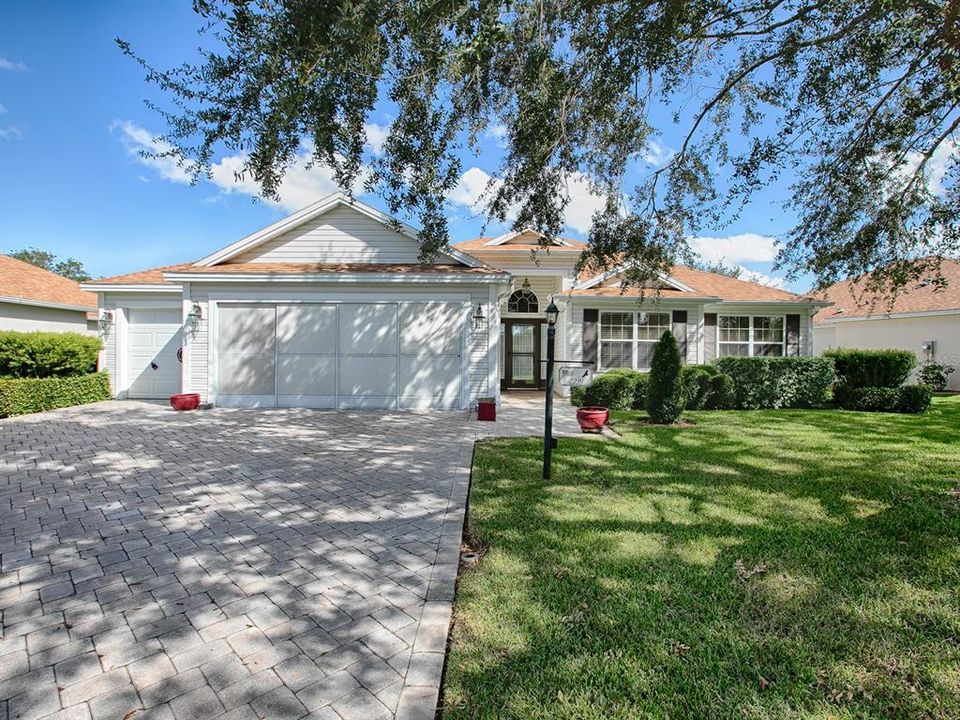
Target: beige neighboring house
x=332 y=307
x=924 y=318
x=32 y=298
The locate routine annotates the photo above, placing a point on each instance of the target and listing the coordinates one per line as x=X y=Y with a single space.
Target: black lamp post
x=548 y=440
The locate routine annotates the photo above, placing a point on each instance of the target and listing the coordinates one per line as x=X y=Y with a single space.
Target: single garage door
x=152 y=364
x=341 y=355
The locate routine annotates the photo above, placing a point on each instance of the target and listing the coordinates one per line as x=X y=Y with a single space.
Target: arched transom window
x=523 y=301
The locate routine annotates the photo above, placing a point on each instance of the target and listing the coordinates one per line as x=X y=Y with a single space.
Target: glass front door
x=521 y=367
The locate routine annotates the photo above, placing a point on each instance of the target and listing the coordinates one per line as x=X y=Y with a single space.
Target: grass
x=769 y=564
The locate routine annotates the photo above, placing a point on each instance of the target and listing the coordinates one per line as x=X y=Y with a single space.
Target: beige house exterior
x=924 y=319
x=33 y=299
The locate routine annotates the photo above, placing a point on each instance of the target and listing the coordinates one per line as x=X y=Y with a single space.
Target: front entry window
x=522 y=355
x=523 y=301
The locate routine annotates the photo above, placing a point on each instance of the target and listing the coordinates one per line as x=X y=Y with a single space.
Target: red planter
x=486 y=410
x=185 y=401
x=592 y=419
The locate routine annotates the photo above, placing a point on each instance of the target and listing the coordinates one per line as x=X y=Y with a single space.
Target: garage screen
x=363 y=355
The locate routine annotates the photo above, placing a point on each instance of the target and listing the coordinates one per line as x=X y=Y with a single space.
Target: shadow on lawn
x=614 y=591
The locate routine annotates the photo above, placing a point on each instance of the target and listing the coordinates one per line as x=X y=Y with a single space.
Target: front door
x=522 y=354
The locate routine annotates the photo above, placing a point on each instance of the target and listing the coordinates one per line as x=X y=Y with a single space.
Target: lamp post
x=548 y=440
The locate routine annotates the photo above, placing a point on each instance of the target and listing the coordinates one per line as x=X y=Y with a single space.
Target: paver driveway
x=241 y=564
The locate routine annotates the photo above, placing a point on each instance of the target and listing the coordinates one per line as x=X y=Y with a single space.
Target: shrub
x=613 y=390
x=20 y=396
x=906 y=399
x=696 y=384
x=935 y=375
x=46 y=354
x=773 y=382
x=641 y=383
x=665 y=397
x=576 y=395
x=872 y=368
x=722 y=395
x=915 y=399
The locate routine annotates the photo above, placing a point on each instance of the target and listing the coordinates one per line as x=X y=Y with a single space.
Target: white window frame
x=633 y=341
x=750 y=339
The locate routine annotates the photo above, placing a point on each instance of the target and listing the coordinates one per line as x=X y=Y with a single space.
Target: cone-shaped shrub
x=665 y=398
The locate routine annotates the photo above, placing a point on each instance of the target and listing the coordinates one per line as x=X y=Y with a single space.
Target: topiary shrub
x=935 y=375
x=915 y=399
x=665 y=396
x=47 y=354
x=21 y=396
x=722 y=395
x=872 y=368
x=696 y=384
x=613 y=390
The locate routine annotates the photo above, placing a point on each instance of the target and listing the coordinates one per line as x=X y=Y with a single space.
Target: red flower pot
x=185 y=401
x=592 y=419
x=487 y=410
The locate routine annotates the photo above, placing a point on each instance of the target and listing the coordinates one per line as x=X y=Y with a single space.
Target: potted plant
x=592 y=418
x=487 y=409
x=185 y=401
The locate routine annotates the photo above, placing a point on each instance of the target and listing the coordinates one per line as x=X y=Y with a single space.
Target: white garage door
x=153 y=341
x=348 y=355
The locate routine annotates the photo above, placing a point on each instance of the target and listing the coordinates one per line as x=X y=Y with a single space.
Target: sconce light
x=552 y=313
x=106 y=320
x=478 y=316
x=526 y=284
x=195 y=315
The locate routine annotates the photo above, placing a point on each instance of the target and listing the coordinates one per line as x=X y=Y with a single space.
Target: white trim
x=334 y=277
x=619 y=269
x=45 y=304
x=132 y=287
x=511 y=234
x=121 y=382
x=750 y=341
x=630 y=302
x=886 y=316
x=332 y=297
x=186 y=342
x=318 y=208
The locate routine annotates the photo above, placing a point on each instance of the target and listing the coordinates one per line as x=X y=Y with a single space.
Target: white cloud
x=3 y=108
x=12 y=65
x=936 y=167
x=745 y=247
x=376 y=136
x=656 y=153
x=302 y=183
x=11 y=132
x=474 y=187
x=498 y=132
x=761 y=279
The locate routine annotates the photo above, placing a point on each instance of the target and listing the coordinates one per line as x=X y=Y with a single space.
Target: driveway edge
x=421 y=691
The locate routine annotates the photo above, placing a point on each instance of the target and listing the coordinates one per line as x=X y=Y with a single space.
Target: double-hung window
x=627 y=338
x=751 y=335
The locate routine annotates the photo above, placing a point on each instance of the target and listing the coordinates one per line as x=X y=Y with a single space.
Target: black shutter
x=793 y=335
x=680 y=332
x=589 y=341
x=709 y=337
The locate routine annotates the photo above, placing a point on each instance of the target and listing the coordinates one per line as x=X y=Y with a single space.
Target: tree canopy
x=68 y=267
x=853 y=104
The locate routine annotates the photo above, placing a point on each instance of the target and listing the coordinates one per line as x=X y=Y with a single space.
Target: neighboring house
x=331 y=307
x=32 y=298
x=924 y=318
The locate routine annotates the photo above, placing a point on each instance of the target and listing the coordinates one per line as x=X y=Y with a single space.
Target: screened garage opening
x=382 y=355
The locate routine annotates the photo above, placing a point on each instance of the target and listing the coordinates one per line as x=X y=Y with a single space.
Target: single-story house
x=32 y=298
x=332 y=308
x=924 y=319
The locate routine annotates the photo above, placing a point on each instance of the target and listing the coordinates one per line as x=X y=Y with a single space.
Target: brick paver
x=227 y=564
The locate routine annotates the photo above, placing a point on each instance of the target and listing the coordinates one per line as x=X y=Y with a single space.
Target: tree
x=69 y=267
x=665 y=397
x=855 y=104
x=719 y=267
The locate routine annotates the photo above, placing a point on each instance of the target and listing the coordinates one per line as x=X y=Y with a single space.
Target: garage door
x=153 y=341
x=346 y=355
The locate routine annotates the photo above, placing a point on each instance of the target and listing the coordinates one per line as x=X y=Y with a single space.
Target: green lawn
x=769 y=564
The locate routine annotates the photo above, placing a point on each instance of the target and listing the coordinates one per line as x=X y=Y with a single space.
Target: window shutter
x=793 y=335
x=589 y=339
x=680 y=332
x=709 y=337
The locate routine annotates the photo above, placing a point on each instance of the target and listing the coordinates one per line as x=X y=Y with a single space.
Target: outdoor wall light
x=195 y=315
x=478 y=316
x=106 y=320
x=526 y=284
x=553 y=312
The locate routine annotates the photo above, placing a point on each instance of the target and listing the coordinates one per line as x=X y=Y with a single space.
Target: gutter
x=20 y=300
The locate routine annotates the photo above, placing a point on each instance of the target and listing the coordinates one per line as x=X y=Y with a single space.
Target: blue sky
x=72 y=118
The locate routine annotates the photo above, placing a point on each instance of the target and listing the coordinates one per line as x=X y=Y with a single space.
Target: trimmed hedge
x=872 y=368
x=779 y=382
x=47 y=354
x=906 y=399
x=696 y=384
x=615 y=389
x=723 y=394
x=21 y=396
